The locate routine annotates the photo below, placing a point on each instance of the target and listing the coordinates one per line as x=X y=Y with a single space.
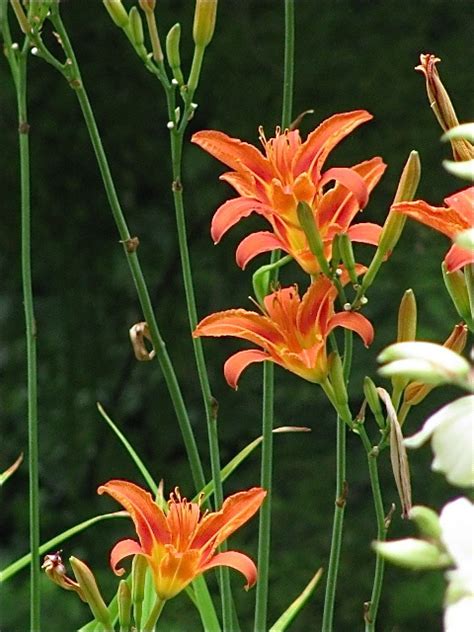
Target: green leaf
x=290 y=613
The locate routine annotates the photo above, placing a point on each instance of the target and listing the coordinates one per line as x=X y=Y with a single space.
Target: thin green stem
x=382 y=527
x=23 y=130
x=264 y=532
x=210 y=404
x=261 y=605
x=337 y=528
x=195 y=69
x=132 y=259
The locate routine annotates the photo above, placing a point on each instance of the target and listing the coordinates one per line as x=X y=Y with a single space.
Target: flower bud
x=412 y=553
x=172 y=52
x=347 y=256
x=455 y=283
x=139 y=570
x=124 y=601
x=373 y=399
x=148 y=6
x=117 y=12
x=407 y=186
x=91 y=592
x=308 y=224
x=204 y=22
x=442 y=107
x=424 y=361
x=407 y=314
x=338 y=382
x=426 y=520
x=136 y=27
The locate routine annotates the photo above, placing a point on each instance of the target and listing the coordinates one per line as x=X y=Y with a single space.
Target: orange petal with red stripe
x=237 y=363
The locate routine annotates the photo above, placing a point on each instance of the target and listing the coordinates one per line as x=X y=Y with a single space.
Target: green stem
x=154 y=615
x=195 y=70
x=264 y=532
x=382 y=527
x=265 y=511
x=210 y=404
x=23 y=129
x=133 y=261
x=337 y=528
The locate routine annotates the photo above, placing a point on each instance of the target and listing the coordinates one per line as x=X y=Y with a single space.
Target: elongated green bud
x=308 y=224
x=204 y=22
x=347 y=256
x=407 y=315
x=172 y=52
x=148 y=6
x=373 y=400
x=136 y=27
x=406 y=190
x=91 y=592
x=124 y=601
x=412 y=553
x=336 y=375
x=455 y=283
x=117 y=12
x=139 y=568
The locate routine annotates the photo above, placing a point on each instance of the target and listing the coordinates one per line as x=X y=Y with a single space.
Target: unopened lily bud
x=424 y=361
x=412 y=553
x=442 y=106
x=427 y=521
x=91 y=592
x=455 y=283
x=117 y=12
x=56 y=571
x=172 y=52
x=261 y=281
x=417 y=391
x=124 y=602
x=373 y=399
x=204 y=22
x=336 y=374
x=407 y=314
x=407 y=186
x=136 y=27
x=138 y=333
x=308 y=224
x=139 y=570
x=347 y=256
x=148 y=6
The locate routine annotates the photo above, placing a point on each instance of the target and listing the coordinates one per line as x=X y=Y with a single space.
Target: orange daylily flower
x=292 y=332
x=180 y=544
x=457 y=217
x=290 y=172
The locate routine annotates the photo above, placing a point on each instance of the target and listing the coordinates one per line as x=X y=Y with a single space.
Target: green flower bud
x=91 y=592
x=136 y=27
x=124 y=601
x=204 y=22
x=347 y=256
x=117 y=12
x=455 y=283
x=412 y=553
x=373 y=399
x=426 y=520
x=172 y=52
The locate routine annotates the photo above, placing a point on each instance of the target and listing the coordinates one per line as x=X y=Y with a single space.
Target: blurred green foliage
x=350 y=54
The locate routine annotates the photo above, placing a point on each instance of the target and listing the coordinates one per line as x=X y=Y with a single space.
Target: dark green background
x=349 y=55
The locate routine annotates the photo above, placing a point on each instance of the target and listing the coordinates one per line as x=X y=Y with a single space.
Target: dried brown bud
x=138 y=333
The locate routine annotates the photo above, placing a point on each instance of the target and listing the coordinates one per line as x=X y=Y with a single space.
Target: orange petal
x=324 y=138
x=237 y=509
x=339 y=205
x=240 y=323
x=238 y=362
x=365 y=233
x=238 y=561
x=355 y=322
x=122 y=549
x=315 y=305
x=446 y=220
x=149 y=519
x=458 y=257
x=349 y=179
x=254 y=244
x=243 y=182
x=463 y=203
x=230 y=213
x=233 y=152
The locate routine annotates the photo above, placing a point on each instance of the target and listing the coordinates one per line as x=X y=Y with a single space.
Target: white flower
x=457 y=524
x=426 y=361
x=452 y=439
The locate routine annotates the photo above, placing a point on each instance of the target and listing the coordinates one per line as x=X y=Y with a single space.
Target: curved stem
x=154 y=615
x=23 y=129
x=133 y=261
x=382 y=527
